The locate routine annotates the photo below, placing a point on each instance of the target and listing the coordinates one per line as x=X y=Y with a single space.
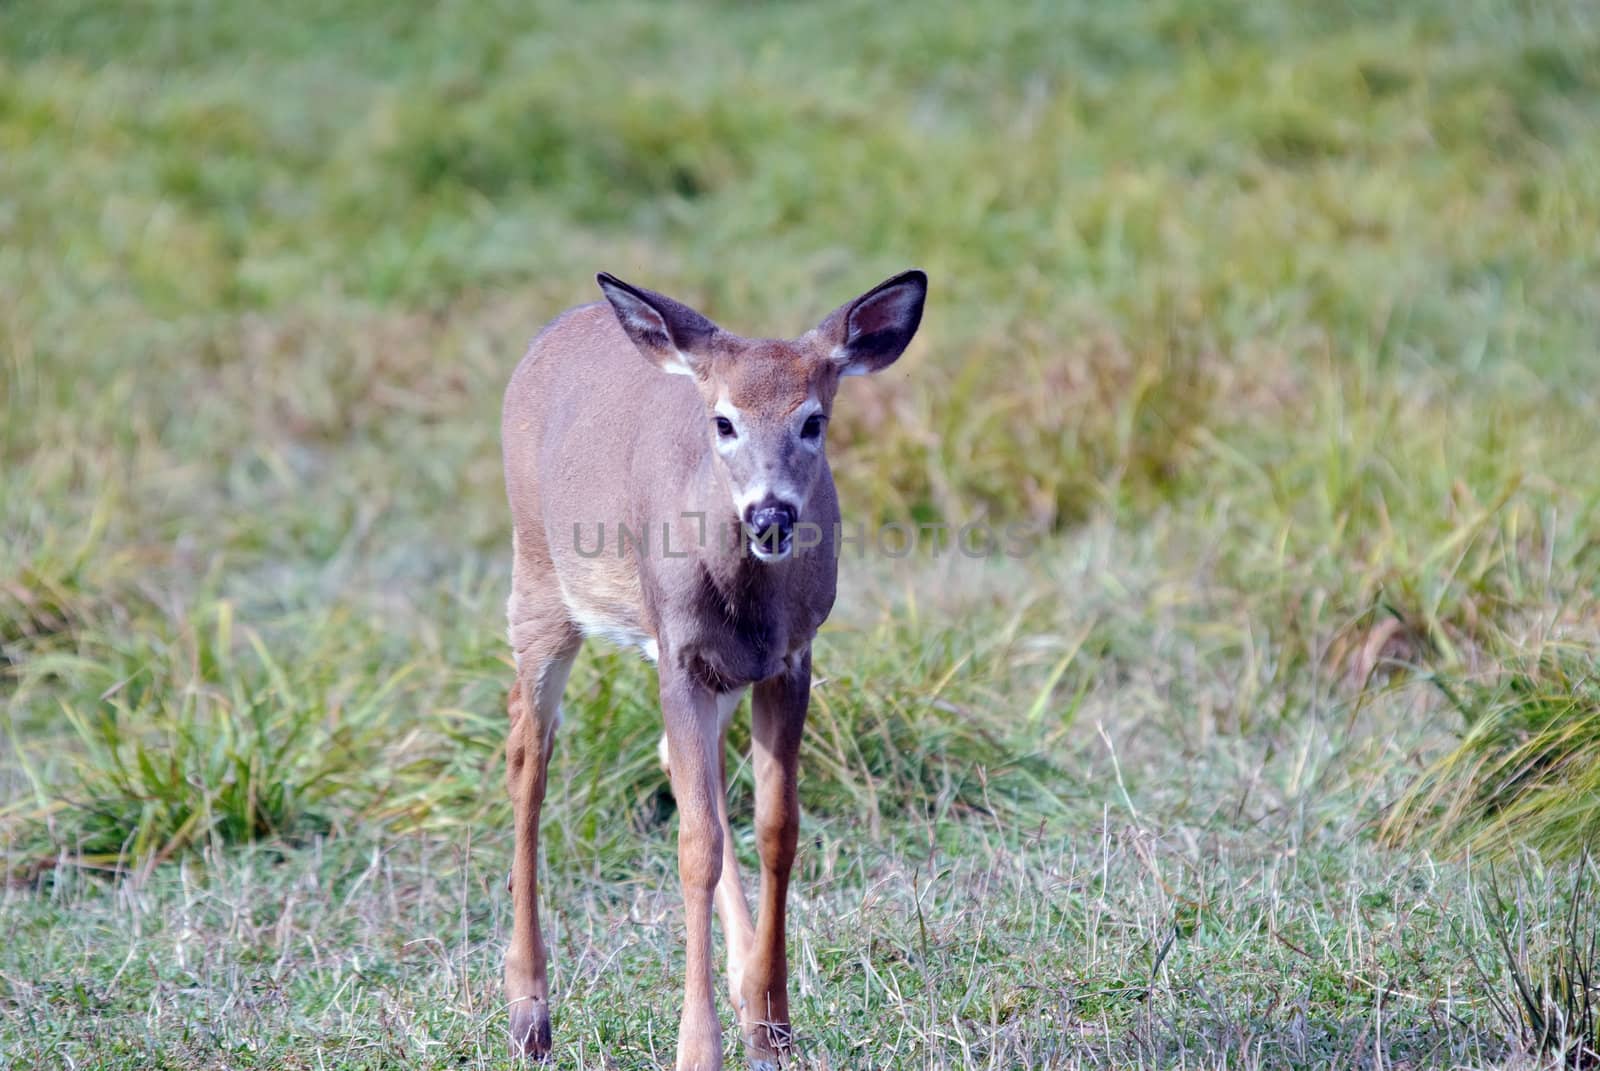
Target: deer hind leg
x=545 y=651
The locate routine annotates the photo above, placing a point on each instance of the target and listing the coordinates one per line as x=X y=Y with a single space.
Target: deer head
x=767 y=401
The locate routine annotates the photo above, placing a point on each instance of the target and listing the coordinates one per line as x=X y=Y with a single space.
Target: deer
x=705 y=452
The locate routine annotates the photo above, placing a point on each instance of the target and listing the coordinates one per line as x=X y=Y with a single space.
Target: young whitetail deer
x=709 y=471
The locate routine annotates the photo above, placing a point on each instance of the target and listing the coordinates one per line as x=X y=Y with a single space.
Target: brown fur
x=594 y=436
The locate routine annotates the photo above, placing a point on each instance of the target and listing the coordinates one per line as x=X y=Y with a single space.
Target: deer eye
x=812 y=428
x=725 y=428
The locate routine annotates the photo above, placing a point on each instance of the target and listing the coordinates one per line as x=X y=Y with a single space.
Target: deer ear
x=670 y=334
x=871 y=332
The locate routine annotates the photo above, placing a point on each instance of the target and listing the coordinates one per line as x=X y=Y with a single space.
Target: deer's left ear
x=670 y=334
x=871 y=332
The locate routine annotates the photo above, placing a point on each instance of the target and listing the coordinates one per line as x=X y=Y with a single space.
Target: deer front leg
x=693 y=736
x=738 y=929
x=778 y=720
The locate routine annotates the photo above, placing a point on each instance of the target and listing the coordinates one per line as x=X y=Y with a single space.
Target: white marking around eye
x=725 y=410
x=811 y=410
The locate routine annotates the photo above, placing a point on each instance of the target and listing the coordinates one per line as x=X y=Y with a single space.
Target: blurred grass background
x=1281 y=318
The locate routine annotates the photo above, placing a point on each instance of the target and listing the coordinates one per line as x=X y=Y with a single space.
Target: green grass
x=1524 y=768
x=1279 y=320
x=1553 y=1007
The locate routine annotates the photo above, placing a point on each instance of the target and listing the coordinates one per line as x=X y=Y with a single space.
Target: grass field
x=1280 y=319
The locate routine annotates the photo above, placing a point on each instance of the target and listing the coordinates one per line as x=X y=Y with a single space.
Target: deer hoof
x=530 y=1031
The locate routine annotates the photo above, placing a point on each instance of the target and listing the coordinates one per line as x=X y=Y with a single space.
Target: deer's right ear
x=670 y=334
x=871 y=332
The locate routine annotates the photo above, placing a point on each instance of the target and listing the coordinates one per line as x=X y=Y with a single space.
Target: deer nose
x=770 y=519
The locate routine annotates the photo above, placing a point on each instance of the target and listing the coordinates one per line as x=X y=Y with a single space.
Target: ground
x=1276 y=321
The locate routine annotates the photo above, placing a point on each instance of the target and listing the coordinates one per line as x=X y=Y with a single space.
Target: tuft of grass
x=197 y=737
x=1526 y=771
x=1552 y=1008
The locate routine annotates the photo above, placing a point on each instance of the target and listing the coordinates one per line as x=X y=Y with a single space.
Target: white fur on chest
x=616 y=629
